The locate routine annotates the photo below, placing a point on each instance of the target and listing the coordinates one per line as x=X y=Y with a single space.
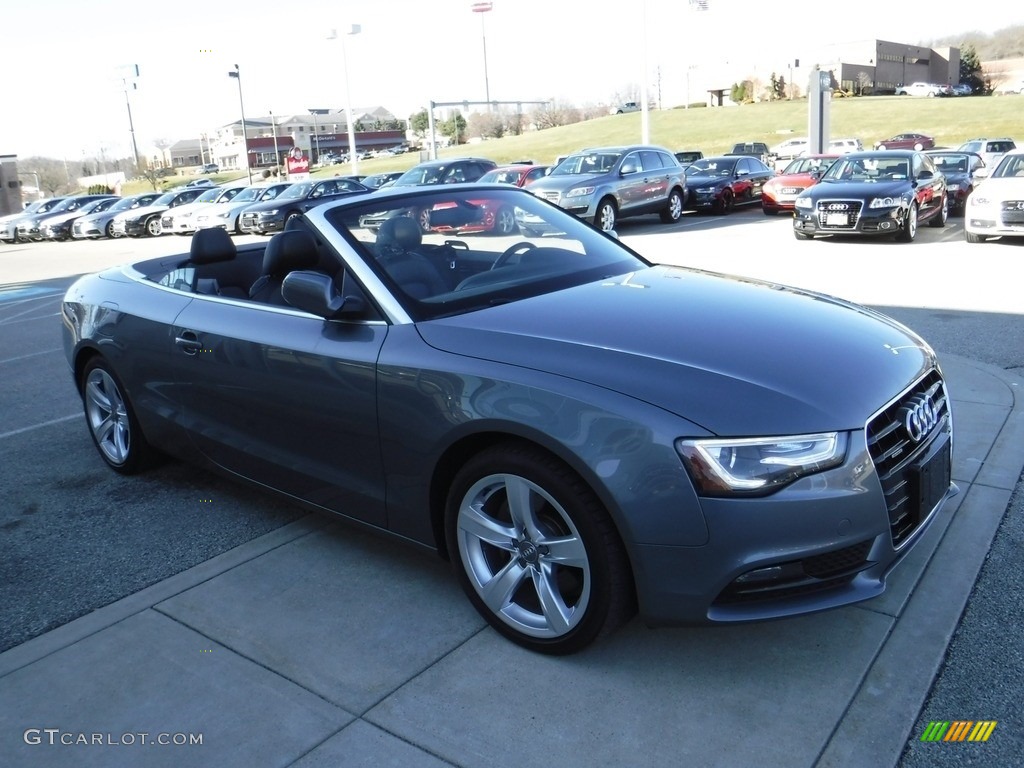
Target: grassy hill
x=714 y=130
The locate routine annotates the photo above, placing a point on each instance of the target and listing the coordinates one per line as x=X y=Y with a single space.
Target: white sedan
x=996 y=208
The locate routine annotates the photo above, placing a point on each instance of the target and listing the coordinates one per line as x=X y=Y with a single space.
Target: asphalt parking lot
x=366 y=653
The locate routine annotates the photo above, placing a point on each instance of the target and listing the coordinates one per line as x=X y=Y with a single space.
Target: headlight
x=976 y=200
x=704 y=190
x=804 y=202
x=222 y=215
x=271 y=212
x=953 y=187
x=580 y=192
x=885 y=202
x=757 y=466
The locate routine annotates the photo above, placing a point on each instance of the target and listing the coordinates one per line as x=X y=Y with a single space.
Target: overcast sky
x=63 y=96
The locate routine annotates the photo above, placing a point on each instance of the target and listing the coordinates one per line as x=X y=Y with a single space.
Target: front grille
x=914 y=473
x=248 y=220
x=839 y=214
x=1013 y=212
x=166 y=222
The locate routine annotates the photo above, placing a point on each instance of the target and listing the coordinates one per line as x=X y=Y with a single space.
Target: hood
x=702 y=179
x=145 y=210
x=860 y=189
x=269 y=205
x=738 y=357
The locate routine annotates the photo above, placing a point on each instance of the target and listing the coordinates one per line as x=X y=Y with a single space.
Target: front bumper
x=1003 y=218
x=855 y=219
x=828 y=540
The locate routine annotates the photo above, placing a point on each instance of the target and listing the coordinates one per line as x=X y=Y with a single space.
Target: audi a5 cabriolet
x=584 y=434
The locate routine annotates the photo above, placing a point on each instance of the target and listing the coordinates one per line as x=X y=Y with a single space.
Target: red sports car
x=778 y=193
x=484 y=214
x=915 y=141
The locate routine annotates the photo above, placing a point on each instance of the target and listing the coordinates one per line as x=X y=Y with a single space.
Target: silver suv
x=604 y=184
x=991 y=150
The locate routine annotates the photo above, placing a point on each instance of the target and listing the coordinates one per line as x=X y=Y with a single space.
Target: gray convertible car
x=584 y=434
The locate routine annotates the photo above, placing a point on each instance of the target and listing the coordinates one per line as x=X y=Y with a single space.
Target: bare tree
x=554 y=114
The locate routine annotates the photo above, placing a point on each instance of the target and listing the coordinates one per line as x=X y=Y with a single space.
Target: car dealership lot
x=348 y=659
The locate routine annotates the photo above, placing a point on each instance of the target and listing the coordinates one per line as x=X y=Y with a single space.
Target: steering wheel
x=518 y=248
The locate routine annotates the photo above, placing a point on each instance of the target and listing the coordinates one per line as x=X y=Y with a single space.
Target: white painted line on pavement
x=31 y=354
x=50 y=423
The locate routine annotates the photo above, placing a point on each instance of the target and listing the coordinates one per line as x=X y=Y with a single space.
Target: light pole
x=483 y=8
x=353 y=29
x=277 y=155
x=131 y=125
x=316 y=133
x=237 y=74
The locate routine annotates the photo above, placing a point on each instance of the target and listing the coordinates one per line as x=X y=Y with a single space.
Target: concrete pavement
x=320 y=644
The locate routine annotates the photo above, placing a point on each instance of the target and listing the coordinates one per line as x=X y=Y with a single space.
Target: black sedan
x=720 y=183
x=492 y=400
x=884 y=192
x=959 y=169
x=271 y=216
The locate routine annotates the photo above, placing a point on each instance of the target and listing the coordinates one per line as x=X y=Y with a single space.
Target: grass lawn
x=951 y=121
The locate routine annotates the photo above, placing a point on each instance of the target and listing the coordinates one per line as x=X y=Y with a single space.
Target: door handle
x=189 y=342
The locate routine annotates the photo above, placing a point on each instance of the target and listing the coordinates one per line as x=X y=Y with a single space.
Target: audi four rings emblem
x=837 y=207
x=919 y=417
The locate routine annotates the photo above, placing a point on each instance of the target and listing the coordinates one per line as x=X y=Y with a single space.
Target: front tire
x=939 y=219
x=673 y=210
x=723 y=204
x=909 y=231
x=535 y=550
x=153 y=228
x=111 y=419
x=606 y=216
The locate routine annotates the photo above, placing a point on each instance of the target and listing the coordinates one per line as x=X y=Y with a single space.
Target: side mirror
x=627 y=168
x=926 y=175
x=315 y=293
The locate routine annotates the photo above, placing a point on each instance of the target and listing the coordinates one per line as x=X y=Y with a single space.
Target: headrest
x=212 y=245
x=399 y=232
x=286 y=251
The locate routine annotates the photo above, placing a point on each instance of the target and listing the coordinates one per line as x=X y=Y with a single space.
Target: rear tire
x=111 y=419
x=673 y=210
x=939 y=219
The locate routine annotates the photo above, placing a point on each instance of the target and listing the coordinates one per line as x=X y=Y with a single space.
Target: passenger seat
x=286 y=252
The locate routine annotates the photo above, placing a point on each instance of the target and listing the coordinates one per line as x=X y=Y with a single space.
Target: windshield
x=715 y=167
x=881 y=167
x=457 y=250
x=126 y=203
x=296 y=191
x=271 y=192
x=952 y=163
x=587 y=162
x=1009 y=167
x=165 y=199
x=248 y=194
x=422 y=174
x=809 y=165
x=209 y=196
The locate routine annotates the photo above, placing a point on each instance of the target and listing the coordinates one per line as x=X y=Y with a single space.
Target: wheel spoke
x=105 y=428
x=520 y=506
x=476 y=523
x=98 y=397
x=497 y=592
x=566 y=550
x=556 y=612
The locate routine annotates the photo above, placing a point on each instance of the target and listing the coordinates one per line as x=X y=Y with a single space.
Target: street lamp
x=483 y=8
x=354 y=29
x=237 y=74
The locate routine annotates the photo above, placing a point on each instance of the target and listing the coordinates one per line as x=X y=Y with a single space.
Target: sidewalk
x=320 y=644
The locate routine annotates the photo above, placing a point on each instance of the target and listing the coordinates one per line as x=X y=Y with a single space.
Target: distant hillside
x=1003 y=44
